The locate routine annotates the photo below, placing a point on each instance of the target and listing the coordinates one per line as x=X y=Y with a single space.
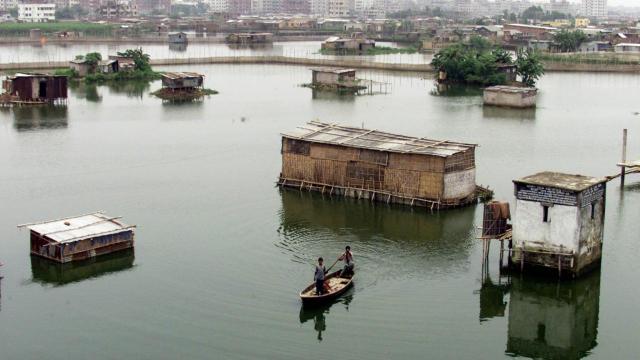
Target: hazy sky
x=624 y=2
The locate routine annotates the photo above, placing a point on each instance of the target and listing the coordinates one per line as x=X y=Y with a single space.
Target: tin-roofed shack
x=249 y=38
x=36 y=88
x=182 y=86
x=81 y=237
x=182 y=80
x=379 y=166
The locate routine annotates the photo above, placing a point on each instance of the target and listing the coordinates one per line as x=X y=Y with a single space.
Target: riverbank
x=348 y=63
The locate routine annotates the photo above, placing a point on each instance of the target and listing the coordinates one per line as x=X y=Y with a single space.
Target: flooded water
x=221 y=252
x=16 y=53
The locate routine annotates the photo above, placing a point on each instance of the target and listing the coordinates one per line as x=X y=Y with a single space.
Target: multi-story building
x=8 y=4
x=143 y=6
x=340 y=8
x=266 y=6
x=36 y=12
x=319 y=7
x=218 y=6
x=296 y=6
x=561 y=6
x=594 y=8
x=240 y=7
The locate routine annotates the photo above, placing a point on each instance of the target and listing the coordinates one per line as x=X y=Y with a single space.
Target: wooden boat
x=337 y=285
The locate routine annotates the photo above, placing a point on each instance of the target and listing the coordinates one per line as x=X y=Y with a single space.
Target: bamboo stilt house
x=379 y=166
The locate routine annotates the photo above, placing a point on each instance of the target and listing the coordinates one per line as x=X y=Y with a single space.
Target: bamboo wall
x=408 y=175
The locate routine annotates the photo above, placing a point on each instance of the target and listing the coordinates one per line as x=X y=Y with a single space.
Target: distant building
x=530 y=31
x=594 y=8
x=296 y=6
x=558 y=222
x=36 y=12
x=9 y=4
x=340 y=8
x=249 y=38
x=356 y=44
x=240 y=7
x=145 y=7
x=582 y=22
x=218 y=6
x=177 y=38
x=627 y=48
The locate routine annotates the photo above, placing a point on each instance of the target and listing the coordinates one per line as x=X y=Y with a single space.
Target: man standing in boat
x=318 y=276
x=347 y=257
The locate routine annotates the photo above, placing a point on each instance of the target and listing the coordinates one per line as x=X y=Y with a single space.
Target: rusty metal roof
x=319 y=132
x=561 y=180
x=79 y=227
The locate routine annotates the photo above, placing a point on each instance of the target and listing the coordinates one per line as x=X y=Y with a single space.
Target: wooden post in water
x=623 y=169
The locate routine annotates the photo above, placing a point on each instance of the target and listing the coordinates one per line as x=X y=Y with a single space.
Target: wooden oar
x=334 y=264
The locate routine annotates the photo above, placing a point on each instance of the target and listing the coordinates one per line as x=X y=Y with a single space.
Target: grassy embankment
x=22 y=29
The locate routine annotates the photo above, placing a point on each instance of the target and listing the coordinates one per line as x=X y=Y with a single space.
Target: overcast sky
x=614 y=2
x=624 y=2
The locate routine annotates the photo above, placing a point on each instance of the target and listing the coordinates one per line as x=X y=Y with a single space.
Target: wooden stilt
x=623 y=169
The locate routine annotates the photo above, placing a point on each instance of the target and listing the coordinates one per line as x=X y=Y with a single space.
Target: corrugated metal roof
x=332 y=70
x=319 y=132
x=560 y=180
x=181 y=75
x=79 y=227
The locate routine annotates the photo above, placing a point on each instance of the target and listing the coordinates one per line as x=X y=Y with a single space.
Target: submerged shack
x=182 y=86
x=178 y=38
x=558 y=222
x=357 y=43
x=35 y=88
x=80 y=237
x=335 y=79
x=379 y=166
x=249 y=38
x=510 y=96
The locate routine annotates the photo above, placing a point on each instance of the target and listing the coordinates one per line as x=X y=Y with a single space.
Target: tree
x=140 y=59
x=569 y=41
x=529 y=66
x=92 y=59
x=533 y=13
x=502 y=56
x=479 y=43
x=469 y=65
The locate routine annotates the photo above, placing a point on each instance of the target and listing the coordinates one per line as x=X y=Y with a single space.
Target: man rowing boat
x=347 y=257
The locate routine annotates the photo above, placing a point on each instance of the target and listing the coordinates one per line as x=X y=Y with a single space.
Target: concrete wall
x=559 y=234
x=591 y=234
x=325 y=78
x=459 y=184
x=509 y=99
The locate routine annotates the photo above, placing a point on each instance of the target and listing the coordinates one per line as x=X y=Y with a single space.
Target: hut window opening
x=593 y=211
x=545 y=213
